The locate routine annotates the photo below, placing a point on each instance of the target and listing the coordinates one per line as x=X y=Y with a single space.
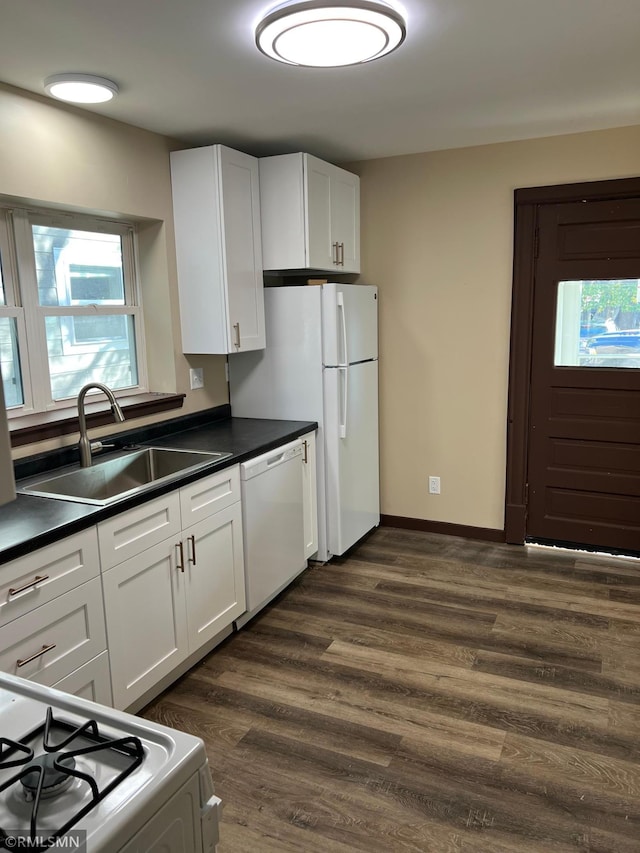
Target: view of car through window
x=598 y=324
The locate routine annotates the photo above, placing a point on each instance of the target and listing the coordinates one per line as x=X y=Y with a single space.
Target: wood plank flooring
x=428 y=693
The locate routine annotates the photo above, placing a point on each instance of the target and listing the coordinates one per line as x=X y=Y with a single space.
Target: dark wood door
x=584 y=428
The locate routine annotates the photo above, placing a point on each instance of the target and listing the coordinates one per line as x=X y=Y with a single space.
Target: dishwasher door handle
x=275 y=459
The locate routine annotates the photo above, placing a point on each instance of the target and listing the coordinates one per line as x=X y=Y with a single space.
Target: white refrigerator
x=321 y=364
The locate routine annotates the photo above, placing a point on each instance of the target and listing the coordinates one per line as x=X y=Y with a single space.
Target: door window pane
x=598 y=324
x=10 y=363
x=90 y=348
x=78 y=267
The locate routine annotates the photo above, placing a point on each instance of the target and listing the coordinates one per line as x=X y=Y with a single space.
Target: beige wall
x=56 y=155
x=437 y=233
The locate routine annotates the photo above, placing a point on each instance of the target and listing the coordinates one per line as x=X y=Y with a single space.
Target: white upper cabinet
x=310 y=213
x=216 y=211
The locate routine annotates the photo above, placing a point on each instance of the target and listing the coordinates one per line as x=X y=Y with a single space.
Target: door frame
x=527 y=203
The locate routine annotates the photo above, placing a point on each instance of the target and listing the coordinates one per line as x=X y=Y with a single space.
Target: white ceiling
x=470 y=72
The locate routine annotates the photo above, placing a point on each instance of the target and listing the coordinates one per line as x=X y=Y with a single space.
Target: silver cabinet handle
x=341 y=254
x=236 y=327
x=36 y=580
x=335 y=247
x=305 y=444
x=42 y=651
x=192 y=539
x=180 y=563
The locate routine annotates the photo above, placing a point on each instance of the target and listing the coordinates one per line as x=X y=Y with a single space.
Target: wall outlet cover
x=196 y=378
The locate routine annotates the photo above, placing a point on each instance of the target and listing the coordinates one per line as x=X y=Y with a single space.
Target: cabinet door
x=321 y=251
x=53 y=640
x=91 y=681
x=310 y=495
x=146 y=620
x=242 y=250
x=214 y=575
x=216 y=212
x=345 y=219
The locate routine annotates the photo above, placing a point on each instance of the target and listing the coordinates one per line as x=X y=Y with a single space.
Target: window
x=598 y=323
x=69 y=308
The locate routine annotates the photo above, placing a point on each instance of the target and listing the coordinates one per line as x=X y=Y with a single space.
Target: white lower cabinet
x=214 y=575
x=146 y=621
x=53 y=640
x=91 y=681
x=166 y=602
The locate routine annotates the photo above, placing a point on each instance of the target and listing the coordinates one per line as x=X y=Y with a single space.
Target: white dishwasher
x=272 y=524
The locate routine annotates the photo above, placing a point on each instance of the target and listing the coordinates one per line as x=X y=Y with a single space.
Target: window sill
x=29 y=429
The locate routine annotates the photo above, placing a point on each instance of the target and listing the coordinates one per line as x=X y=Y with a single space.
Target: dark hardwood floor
x=429 y=693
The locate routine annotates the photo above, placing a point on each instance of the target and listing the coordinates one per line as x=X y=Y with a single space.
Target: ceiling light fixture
x=80 y=88
x=330 y=33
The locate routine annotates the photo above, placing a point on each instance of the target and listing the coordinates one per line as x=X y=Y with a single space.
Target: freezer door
x=351 y=453
x=349 y=323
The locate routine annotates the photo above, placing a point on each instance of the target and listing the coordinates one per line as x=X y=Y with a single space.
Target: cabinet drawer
x=60 y=636
x=90 y=681
x=211 y=494
x=60 y=567
x=131 y=533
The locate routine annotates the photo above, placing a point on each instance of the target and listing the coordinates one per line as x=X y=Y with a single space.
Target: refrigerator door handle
x=341 y=306
x=345 y=400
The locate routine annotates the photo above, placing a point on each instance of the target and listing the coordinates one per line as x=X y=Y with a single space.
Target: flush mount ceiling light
x=330 y=33
x=80 y=88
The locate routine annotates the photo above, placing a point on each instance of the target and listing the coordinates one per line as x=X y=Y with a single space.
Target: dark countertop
x=32 y=522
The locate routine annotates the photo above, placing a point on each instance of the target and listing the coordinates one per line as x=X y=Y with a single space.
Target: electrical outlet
x=434 y=485
x=196 y=377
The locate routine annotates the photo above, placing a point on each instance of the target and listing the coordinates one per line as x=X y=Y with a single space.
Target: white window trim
x=21 y=293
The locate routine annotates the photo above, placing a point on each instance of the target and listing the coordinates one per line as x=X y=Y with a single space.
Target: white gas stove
x=70 y=767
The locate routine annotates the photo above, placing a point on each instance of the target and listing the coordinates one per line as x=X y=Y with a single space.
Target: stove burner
x=54 y=770
x=55 y=780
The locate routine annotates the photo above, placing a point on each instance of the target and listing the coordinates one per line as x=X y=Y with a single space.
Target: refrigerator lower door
x=351 y=453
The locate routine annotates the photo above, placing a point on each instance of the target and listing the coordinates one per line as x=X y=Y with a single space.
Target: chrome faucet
x=84 y=445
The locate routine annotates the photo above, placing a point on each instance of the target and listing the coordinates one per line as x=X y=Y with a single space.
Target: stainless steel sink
x=108 y=481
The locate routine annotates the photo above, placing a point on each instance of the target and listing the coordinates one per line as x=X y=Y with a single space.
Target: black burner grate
x=20 y=754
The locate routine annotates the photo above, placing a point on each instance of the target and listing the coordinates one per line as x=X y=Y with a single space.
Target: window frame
x=21 y=296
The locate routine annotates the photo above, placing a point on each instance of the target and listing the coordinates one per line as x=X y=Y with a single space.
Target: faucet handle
x=97 y=446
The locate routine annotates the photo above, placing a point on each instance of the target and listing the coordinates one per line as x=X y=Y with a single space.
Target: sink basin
x=108 y=481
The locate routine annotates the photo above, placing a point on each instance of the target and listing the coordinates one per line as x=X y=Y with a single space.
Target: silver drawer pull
x=36 y=580
x=42 y=651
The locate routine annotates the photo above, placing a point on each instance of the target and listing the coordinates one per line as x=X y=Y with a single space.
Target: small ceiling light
x=330 y=33
x=80 y=88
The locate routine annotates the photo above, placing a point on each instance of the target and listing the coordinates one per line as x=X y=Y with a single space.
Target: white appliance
x=272 y=524
x=321 y=363
x=7 y=481
x=69 y=765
